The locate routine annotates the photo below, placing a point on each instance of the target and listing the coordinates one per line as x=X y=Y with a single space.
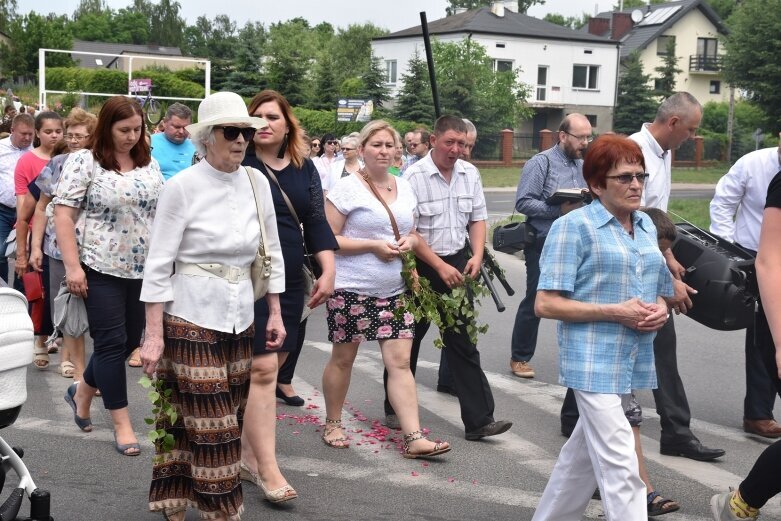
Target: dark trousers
x=670 y=396
x=524 y=338
x=469 y=381
x=116 y=320
x=7 y=221
x=764 y=480
x=285 y=374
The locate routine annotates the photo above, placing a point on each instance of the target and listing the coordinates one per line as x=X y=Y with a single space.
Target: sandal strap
x=333 y=422
x=413 y=436
x=651 y=496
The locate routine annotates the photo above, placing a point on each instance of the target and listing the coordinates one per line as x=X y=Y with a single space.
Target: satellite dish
x=637 y=16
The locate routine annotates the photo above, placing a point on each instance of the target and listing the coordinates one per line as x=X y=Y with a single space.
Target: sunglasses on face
x=315 y=145
x=232 y=133
x=626 y=179
x=331 y=142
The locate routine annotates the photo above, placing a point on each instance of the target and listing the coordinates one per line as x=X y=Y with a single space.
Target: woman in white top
x=114 y=187
x=328 y=162
x=199 y=317
x=369 y=286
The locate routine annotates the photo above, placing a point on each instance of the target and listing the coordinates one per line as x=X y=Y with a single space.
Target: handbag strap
x=293 y=212
x=259 y=207
x=373 y=189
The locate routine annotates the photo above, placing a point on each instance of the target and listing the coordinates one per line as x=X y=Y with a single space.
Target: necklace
x=388 y=188
x=363 y=173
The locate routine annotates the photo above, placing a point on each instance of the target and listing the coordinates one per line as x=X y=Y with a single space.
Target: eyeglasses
x=77 y=137
x=626 y=179
x=412 y=145
x=345 y=149
x=232 y=133
x=315 y=145
x=331 y=142
x=587 y=139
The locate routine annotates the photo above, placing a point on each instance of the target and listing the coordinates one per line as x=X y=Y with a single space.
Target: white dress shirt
x=9 y=155
x=736 y=208
x=445 y=209
x=208 y=216
x=656 y=191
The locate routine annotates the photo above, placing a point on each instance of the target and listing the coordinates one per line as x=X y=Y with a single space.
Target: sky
x=393 y=15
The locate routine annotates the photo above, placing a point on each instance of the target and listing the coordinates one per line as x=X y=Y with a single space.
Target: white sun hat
x=224 y=108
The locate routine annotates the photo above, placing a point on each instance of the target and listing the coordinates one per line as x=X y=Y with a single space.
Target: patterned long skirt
x=209 y=374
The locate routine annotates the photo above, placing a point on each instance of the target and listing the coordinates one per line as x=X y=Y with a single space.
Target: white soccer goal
x=127 y=60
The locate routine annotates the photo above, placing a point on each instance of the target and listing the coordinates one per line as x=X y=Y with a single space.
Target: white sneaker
x=719 y=507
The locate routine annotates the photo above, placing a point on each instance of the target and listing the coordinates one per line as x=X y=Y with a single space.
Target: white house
x=691 y=24
x=569 y=71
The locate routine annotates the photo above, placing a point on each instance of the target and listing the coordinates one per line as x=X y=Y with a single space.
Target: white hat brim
x=250 y=121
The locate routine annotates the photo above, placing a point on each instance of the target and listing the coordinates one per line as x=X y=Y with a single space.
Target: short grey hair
x=180 y=111
x=202 y=136
x=679 y=104
x=349 y=140
x=470 y=127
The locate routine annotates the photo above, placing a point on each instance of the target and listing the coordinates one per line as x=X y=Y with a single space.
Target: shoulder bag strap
x=259 y=207
x=373 y=189
x=289 y=204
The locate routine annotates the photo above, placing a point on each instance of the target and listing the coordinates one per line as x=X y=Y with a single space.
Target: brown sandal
x=336 y=443
x=439 y=447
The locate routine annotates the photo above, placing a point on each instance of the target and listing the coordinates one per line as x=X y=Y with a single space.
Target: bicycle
x=151 y=107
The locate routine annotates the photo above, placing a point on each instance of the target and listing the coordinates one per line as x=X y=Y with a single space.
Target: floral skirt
x=209 y=373
x=358 y=318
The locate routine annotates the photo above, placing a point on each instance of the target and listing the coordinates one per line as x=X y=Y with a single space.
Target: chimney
x=622 y=24
x=511 y=5
x=598 y=26
x=497 y=8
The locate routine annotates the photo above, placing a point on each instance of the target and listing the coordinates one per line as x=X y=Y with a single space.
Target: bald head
x=574 y=135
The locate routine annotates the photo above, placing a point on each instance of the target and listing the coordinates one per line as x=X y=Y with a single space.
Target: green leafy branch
x=163 y=414
x=447 y=311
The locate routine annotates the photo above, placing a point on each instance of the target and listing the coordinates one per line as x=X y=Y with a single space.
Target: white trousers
x=601 y=451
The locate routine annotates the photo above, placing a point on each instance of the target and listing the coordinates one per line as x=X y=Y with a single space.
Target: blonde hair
x=372 y=127
x=78 y=116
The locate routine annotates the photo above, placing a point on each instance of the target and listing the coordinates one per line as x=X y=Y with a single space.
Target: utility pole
x=730 y=122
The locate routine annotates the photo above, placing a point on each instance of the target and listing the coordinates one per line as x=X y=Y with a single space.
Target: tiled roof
x=116 y=48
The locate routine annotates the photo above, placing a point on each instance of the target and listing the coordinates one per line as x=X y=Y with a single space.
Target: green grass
x=498 y=177
x=696 y=211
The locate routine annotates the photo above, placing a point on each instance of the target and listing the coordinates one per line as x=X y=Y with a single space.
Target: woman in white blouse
x=369 y=286
x=112 y=192
x=199 y=316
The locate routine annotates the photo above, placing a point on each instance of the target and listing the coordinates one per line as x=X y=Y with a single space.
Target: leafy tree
x=469 y=87
x=635 y=103
x=523 y=5
x=374 y=86
x=7 y=13
x=751 y=60
x=723 y=8
x=93 y=26
x=246 y=78
x=29 y=33
x=572 y=22
x=351 y=50
x=167 y=25
x=129 y=26
x=415 y=102
x=668 y=70
x=89 y=7
x=289 y=50
x=325 y=89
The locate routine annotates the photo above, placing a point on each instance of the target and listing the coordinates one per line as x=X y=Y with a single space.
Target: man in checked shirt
x=450 y=197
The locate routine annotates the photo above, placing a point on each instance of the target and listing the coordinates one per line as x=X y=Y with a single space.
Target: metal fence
x=489 y=147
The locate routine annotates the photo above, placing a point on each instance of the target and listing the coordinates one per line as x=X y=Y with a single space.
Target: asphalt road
x=498 y=479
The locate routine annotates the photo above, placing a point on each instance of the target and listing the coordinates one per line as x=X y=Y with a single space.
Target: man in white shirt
x=677 y=120
x=171 y=148
x=736 y=215
x=451 y=205
x=11 y=149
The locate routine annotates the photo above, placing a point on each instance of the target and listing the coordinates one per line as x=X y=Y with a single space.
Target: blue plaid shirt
x=589 y=257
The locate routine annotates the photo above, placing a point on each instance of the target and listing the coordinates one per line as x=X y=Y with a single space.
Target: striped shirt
x=589 y=257
x=445 y=209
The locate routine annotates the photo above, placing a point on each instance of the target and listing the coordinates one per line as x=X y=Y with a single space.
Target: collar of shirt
x=600 y=216
x=428 y=166
x=655 y=146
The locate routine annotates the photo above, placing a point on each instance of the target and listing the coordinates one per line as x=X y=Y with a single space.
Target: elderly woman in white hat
x=200 y=309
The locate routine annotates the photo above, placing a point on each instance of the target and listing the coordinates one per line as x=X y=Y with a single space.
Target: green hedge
x=108 y=80
x=320 y=122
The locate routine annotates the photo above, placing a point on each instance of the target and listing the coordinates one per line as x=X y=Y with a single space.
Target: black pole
x=432 y=75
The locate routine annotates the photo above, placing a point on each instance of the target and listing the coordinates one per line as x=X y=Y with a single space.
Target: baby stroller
x=16 y=342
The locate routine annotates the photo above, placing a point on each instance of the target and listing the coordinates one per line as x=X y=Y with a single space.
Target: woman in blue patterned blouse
x=603 y=278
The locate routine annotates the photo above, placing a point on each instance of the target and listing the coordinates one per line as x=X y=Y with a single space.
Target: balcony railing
x=705 y=63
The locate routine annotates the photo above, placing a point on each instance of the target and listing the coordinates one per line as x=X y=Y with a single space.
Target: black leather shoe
x=446 y=390
x=492 y=429
x=295 y=401
x=692 y=449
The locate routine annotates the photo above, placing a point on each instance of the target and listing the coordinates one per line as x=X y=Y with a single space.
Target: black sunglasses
x=232 y=133
x=316 y=145
x=331 y=142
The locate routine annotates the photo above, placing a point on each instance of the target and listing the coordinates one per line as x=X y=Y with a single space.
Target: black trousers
x=469 y=381
x=670 y=396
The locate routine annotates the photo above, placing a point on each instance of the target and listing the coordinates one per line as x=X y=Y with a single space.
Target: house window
x=715 y=87
x=542 y=82
x=503 y=65
x=661 y=44
x=588 y=51
x=390 y=71
x=592 y=118
x=500 y=45
x=707 y=47
x=585 y=76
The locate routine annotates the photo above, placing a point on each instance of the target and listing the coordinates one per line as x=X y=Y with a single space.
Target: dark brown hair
x=605 y=153
x=665 y=229
x=295 y=143
x=102 y=142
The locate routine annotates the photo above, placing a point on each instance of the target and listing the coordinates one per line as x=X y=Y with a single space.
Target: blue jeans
x=524 y=339
x=7 y=221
